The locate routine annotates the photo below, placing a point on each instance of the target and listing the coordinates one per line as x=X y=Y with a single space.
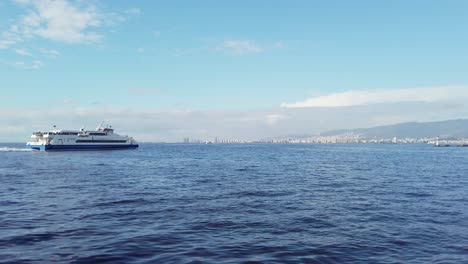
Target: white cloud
x=150 y=124
x=355 y=98
x=64 y=101
x=27 y=65
x=144 y=91
x=51 y=53
x=279 y=45
x=65 y=21
x=5 y=43
x=272 y=119
x=23 y=52
x=133 y=11
x=180 y=52
x=37 y=64
x=241 y=47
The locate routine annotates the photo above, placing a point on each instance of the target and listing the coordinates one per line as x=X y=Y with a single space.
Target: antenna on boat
x=100 y=125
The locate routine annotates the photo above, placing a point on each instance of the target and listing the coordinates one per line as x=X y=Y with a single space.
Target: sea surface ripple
x=176 y=203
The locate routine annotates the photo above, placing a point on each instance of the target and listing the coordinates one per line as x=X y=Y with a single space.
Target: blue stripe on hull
x=80 y=147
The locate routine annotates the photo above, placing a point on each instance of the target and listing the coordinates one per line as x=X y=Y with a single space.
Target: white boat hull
x=81 y=147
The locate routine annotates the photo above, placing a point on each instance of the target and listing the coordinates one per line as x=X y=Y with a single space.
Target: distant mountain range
x=450 y=128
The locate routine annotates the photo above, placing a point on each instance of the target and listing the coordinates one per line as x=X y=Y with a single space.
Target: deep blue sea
x=176 y=203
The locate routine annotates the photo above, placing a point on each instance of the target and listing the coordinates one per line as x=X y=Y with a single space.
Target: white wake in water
x=9 y=149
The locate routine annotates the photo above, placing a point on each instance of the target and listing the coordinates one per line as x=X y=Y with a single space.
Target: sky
x=165 y=70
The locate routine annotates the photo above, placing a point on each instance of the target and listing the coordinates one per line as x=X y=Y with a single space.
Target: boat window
x=100 y=141
x=97 y=134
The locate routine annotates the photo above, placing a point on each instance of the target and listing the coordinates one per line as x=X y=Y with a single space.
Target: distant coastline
x=450 y=132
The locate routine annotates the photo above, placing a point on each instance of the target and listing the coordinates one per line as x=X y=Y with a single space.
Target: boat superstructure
x=102 y=138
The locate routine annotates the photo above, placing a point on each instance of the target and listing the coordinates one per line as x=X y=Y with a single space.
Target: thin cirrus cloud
x=273 y=119
x=23 y=52
x=51 y=53
x=26 y=65
x=133 y=11
x=241 y=47
x=368 y=97
x=5 y=43
x=144 y=91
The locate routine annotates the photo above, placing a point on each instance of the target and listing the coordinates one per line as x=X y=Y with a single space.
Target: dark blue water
x=169 y=203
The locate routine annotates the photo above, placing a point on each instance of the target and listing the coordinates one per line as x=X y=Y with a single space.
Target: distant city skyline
x=162 y=71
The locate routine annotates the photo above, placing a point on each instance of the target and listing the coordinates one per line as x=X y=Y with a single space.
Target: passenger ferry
x=103 y=138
